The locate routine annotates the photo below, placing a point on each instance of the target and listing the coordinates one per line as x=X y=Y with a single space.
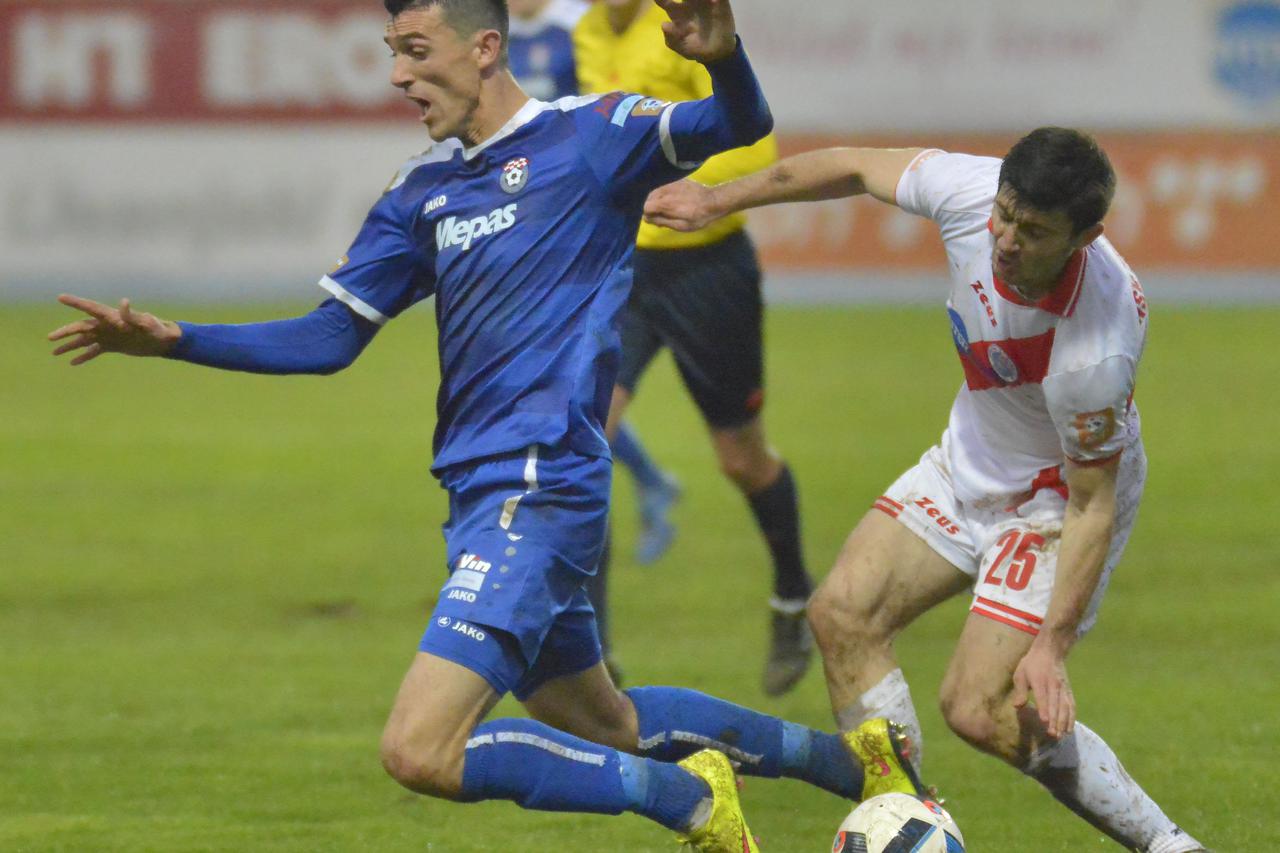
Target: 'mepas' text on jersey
x=460 y=232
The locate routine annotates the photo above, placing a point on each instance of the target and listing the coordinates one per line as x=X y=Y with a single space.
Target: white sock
x=890 y=698
x=1083 y=774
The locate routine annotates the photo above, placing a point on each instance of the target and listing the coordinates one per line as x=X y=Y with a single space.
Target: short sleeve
x=629 y=143
x=954 y=190
x=382 y=273
x=1091 y=408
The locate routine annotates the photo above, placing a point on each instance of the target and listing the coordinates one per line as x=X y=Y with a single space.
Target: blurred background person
x=700 y=296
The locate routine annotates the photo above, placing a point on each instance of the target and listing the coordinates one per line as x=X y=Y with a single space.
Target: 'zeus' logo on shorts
x=460 y=232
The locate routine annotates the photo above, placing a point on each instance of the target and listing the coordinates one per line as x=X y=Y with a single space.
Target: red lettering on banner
x=206 y=60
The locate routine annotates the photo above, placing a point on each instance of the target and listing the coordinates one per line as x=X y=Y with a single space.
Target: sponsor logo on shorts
x=469 y=631
x=443 y=621
x=948 y=526
x=469 y=573
x=461 y=232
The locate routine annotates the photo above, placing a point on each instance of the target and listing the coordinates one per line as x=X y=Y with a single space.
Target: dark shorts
x=705 y=305
x=525 y=531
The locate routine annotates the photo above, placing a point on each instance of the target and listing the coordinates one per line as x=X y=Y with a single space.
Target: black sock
x=777 y=512
x=598 y=591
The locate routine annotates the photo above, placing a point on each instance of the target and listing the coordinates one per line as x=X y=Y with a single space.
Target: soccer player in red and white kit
x=1031 y=494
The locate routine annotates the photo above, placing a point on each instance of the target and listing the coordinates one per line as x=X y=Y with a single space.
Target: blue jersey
x=540 y=51
x=526 y=242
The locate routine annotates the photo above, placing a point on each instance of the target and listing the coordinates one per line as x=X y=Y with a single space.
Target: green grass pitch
x=211 y=584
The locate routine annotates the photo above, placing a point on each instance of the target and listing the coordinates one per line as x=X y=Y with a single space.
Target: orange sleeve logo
x=1093 y=429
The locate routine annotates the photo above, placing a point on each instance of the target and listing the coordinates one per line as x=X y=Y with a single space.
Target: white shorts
x=1012 y=552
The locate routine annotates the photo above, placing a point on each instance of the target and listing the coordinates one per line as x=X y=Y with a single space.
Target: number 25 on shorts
x=1016 y=557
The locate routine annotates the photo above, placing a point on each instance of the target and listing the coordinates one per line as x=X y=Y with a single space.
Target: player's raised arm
x=812 y=176
x=737 y=113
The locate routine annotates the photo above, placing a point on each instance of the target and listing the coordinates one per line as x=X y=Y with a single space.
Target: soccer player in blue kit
x=522 y=224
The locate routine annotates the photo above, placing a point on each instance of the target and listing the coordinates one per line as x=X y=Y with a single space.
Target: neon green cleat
x=884 y=752
x=726 y=829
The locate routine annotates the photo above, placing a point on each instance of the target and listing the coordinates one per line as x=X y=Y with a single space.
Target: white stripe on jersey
x=364 y=309
x=668 y=144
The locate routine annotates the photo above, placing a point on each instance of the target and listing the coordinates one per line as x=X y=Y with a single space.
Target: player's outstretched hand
x=108 y=329
x=701 y=30
x=683 y=206
x=1043 y=673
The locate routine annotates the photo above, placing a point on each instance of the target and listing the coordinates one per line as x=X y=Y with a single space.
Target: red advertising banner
x=206 y=60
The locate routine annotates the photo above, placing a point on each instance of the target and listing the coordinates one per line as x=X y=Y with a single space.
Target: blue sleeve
x=736 y=115
x=324 y=341
x=383 y=272
x=635 y=144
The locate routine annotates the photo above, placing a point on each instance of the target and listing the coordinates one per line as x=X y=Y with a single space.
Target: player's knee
x=434 y=770
x=844 y=623
x=970 y=716
x=742 y=470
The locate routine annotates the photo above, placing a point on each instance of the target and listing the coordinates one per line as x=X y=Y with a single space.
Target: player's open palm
x=108 y=329
x=702 y=30
x=1043 y=673
x=683 y=206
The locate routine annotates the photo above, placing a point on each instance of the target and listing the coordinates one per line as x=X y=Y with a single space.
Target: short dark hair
x=1057 y=168
x=467 y=17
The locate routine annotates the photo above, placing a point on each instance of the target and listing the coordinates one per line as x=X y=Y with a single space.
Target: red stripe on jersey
x=1065 y=294
x=1012 y=611
x=1030 y=356
x=887 y=510
x=1026 y=629
x=890 y=501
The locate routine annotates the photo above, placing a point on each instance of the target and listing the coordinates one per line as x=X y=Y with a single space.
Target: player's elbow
x=758 y=125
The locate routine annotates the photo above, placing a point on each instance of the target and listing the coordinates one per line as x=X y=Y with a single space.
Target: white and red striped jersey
x=1044 y=381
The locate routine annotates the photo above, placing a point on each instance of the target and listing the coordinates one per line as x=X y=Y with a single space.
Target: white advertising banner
x=993 y=65
x=230 y=148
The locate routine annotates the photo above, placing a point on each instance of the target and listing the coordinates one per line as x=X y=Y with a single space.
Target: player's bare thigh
x=884 y=577
x=588 y=705
x=978 y=687
x=424 y=742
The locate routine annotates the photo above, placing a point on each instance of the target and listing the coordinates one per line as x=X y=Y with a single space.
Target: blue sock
x=628 y=450
x=546 y=769
x=675 y=722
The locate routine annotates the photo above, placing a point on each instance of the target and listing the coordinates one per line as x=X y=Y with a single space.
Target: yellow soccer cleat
x=726 y=829
x=884 y=752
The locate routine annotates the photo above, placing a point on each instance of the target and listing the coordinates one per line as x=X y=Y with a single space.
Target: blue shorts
x=525 y=531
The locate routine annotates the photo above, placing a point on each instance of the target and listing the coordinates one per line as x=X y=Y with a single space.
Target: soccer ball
x=898 y=823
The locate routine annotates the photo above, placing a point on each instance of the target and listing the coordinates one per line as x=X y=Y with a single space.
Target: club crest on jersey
x=515 y=174
x=1003 y=366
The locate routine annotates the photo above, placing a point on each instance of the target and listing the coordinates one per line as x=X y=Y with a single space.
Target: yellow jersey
x=638 y=60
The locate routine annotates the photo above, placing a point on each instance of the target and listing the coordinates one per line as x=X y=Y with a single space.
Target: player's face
x=1031 y=246
x=438 y=70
